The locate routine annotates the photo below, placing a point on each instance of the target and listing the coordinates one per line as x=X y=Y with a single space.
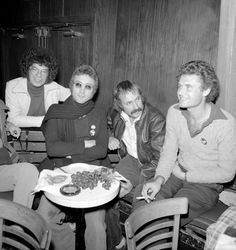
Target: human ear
x=206 y=92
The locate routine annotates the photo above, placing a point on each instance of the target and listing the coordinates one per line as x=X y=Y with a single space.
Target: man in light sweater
x=28 y=97
x=199 y=152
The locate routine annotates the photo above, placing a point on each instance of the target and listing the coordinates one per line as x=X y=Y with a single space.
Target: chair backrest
x=155 y=225
x=22 y=228
x=30 y=146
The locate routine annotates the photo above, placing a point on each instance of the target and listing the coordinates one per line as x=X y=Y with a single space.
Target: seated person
x=29 y=97
x=137 y=131
x=199 y=152
x=21 y=178
x=76 y=132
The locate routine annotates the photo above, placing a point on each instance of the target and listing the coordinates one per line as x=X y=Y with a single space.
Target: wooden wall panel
x=227 y=56
x=17 y=12
x=51 y=9
x=104 y=47
x=141 y=40
x=71 y=51
x=11 y=56
x=16 y=49
x=79 y=8
x=155 y=37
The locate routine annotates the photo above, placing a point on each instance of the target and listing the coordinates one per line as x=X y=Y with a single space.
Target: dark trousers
x=201 y=196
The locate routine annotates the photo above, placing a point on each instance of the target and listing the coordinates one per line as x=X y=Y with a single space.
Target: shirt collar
x=216 y=114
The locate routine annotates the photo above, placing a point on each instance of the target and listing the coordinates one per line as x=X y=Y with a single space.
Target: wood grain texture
x=155 y=37
x=52 y=8
x=144 y=41
x=227 y=56
x=71 y=51
x=104 y=37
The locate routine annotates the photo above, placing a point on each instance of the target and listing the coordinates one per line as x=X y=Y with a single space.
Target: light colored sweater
x=18 y=101
x=209 y=156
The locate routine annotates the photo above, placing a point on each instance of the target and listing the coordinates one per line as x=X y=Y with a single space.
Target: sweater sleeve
x=169 y=151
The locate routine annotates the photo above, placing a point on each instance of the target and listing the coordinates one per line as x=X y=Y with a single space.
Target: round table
x=86 y=198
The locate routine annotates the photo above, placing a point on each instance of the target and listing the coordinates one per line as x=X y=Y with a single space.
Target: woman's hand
x=89 y=143
x=113 y=143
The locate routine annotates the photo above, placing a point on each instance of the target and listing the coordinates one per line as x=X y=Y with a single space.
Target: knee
x=29 y=170
x=49 y=211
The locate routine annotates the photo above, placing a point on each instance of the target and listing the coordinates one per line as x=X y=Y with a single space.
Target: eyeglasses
x=37 y=71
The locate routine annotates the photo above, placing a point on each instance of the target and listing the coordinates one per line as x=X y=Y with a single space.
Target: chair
x=30 y=146
x=22 y=228
x=155 y=225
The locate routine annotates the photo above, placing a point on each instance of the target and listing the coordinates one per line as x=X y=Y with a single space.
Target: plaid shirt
x=227 y=219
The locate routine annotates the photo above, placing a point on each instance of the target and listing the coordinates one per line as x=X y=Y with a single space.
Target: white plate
x=86 y=198
x=79 y=167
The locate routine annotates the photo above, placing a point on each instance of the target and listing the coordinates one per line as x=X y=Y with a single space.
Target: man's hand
x=113 y=143
x=14 y=130
x=125 y=188
x=151 y=188
x=89 y=143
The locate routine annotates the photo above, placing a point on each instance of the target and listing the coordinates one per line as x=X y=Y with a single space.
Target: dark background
x=144 y=41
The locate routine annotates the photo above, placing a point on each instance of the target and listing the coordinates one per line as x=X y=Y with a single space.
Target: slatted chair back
x=22 y=228
x=30 y=146
x=155 y=225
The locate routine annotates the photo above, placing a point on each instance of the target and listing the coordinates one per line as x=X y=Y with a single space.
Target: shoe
x=122 y=244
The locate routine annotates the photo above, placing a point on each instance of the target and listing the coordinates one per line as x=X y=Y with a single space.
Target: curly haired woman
x=29 y=96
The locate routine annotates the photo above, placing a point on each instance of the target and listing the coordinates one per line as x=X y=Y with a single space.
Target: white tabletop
x=86 y=198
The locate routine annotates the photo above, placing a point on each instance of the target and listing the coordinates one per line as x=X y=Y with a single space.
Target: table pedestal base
x=80 y=229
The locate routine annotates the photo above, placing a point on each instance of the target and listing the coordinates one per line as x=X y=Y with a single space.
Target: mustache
x=136 y=110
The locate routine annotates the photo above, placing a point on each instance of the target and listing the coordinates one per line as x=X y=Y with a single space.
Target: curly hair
x=207 y=74
x=41 y=57
x=85 y=70
x=122 y=88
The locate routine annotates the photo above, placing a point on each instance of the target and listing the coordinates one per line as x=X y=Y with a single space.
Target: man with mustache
x=137 y=132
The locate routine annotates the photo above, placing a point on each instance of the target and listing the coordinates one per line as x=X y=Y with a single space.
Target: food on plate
x=56 y=179
x=90 y=179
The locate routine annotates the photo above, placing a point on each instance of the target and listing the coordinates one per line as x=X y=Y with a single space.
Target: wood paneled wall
x=227 y=55
x=153 y=38
x=144 y=41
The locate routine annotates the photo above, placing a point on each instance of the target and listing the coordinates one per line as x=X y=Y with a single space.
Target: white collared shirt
x=130 y=137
